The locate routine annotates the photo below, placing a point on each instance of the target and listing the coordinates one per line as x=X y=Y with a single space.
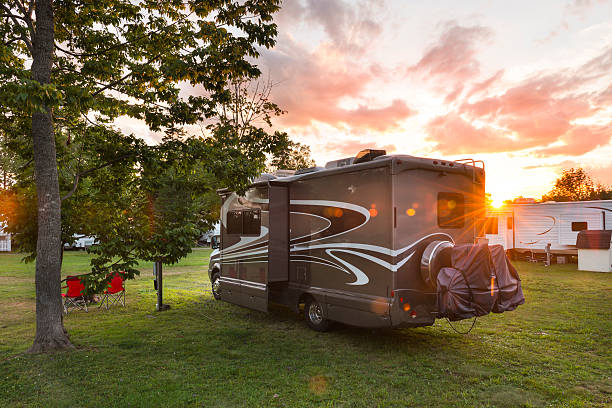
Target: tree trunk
x=49 y=327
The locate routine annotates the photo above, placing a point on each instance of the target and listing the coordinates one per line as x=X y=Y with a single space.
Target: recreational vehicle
x=360 y=241
x=530 y=228
x=81 y=242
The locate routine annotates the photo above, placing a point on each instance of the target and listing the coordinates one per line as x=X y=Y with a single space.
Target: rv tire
x=313 y=312
x=215 y=285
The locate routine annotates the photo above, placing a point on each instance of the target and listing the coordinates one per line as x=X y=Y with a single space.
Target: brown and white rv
x=360 y=241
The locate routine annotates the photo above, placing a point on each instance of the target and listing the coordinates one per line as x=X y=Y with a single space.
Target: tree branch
x=123 y=78
x=19 y=27
x=112 y=84
x=73 y=189
x=119 y=45
x=27 y=14
x=13 y=16
x=84 y=173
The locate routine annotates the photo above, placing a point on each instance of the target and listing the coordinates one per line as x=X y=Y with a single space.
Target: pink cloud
x=312 y=86
x=580 y=140
x=350 y=26
x=539 y=111
x=454 y=95
x=455 y=135
x=479 y=87
x=601 y=174
x=453 y=56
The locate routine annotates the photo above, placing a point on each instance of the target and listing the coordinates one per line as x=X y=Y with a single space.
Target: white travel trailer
x=529 y=228
x=5 y=241
x=81 y=242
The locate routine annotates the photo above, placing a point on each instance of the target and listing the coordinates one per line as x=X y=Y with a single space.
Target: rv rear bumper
x=413 y=308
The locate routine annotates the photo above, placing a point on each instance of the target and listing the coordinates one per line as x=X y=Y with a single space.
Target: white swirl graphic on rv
x=339 y=204
x=333 y=250
x=246 y=240
x=349 y=248
x=315 y=232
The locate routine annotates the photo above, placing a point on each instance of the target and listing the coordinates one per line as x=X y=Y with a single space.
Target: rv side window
x=251 y=222
x=491 y=225
x=579 y=226
x=450 y=210
x=480 y=227
x=509 y=223
x=234 y=222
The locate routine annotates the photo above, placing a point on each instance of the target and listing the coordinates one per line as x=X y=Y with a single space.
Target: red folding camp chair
x=115 y=293
x=74 y=297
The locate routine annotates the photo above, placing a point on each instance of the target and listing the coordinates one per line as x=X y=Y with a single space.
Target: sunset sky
x=525 y=86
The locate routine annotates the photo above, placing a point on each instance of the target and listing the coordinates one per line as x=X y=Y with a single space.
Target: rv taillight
x=413 y=314
x=392 y=293
x=407 y=307
x=401 y=300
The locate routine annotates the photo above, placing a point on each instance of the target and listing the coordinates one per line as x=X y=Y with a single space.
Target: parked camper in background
x=208 y=238
x=529 y=228
x=360 y=242
x=5 y=241
x=81 y=242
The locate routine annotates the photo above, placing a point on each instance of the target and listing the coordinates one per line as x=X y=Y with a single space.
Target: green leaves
x=577 y=185
x=30 y=96
x=167 y=63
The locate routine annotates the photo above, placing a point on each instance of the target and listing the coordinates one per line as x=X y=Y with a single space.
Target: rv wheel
x=314 y=316
x=215 y=284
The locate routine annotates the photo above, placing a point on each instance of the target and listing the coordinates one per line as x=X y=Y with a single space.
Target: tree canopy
x=294 y=156
x=576 y=185
x=68 y=71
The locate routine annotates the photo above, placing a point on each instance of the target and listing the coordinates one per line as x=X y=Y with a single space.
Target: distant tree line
x=576 y=185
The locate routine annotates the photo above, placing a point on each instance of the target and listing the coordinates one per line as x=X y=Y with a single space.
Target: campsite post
x=158 y=272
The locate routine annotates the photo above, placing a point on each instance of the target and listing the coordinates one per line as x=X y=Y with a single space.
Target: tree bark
x=50 y=333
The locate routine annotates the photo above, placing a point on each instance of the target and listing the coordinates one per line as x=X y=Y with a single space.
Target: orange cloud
x=540 y=113
x=313 y=84
x=580 y=140
x=455 y=135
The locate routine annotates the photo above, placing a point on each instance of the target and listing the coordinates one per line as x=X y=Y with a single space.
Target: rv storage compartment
x=594 y=250
x=481 y=280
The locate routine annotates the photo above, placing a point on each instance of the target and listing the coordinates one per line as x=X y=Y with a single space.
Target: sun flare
x=497 y=203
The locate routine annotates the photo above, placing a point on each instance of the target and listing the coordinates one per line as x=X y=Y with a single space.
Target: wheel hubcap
x=314 y=313
x=216 y=286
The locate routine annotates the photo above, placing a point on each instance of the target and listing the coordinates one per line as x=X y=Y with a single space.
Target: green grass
x=553 y=351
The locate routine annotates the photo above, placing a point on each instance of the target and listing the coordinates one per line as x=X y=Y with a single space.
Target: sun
x=497 y=203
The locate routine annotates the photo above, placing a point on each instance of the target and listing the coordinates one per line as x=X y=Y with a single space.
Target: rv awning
x=594 y=239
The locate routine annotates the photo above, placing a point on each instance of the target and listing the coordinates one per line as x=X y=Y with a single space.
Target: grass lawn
x=553 y=351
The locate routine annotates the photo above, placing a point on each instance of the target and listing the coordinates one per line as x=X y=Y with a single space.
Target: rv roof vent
x=339 y=163
x=368 y=155
x=524 y=200
x=308 y=170
x=264 y=177
x=284 y=173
